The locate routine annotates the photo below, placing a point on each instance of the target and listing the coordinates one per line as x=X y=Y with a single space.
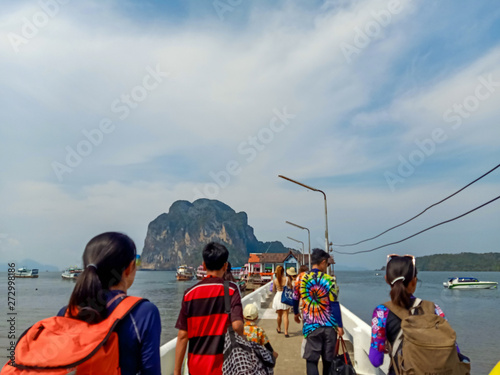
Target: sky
x=110 y=111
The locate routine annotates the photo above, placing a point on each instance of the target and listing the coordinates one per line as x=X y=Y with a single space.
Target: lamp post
x=293 y=239
x=326 y=213
x=308 y=238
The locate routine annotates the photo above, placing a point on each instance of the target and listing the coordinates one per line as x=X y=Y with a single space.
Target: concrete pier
x=290 y=361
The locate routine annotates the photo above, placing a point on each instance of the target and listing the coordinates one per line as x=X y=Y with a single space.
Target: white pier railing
x=356 y=331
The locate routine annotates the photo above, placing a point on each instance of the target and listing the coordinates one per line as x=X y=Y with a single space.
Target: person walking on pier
x=321 y=313
x=280 y=280
x=387 y=333
x=252 y=331
x=202 y=320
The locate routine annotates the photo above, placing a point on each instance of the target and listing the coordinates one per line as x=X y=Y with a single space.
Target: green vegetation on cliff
x=178 y=237
x=459 y=262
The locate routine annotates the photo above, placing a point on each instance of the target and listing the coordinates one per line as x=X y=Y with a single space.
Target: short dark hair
x=215 y=255
x=318 y=256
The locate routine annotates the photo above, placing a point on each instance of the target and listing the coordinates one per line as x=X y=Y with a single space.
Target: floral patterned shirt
x=254 y=333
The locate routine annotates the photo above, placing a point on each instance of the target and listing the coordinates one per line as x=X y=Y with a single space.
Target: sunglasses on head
x=391 y=256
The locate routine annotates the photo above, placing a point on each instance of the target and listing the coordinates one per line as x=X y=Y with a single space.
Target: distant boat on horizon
x=25 y=273
x=71 y=273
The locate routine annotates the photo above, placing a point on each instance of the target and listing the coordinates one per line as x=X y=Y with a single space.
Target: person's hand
x=297 y=318
x=340 y=331
x=275 y=355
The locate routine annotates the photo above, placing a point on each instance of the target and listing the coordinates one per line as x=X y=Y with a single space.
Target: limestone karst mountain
x=178 y=237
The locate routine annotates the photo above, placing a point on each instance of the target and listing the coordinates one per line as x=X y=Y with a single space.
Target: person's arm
x=335 y=309
x=237 y=313
x=238 y=327
x=150 y=338
x=377 y=345
x=180 y=351
x=182 y=338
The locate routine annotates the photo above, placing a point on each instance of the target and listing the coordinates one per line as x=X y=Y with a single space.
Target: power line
x=422 y=231
x=414 y=217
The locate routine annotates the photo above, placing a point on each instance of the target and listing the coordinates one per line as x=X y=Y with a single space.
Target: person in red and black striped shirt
x=202 y=321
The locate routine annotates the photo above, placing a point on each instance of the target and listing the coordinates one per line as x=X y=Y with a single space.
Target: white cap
x=251 y=312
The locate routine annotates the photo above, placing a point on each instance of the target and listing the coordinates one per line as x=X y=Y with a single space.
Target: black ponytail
x=399 y=273
x=105 y=258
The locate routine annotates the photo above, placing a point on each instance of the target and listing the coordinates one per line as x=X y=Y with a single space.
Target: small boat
x=469 y=283
x=24 y=273
x=201 y=273
x=185 y=273
x=71 y=273
x=254 y=282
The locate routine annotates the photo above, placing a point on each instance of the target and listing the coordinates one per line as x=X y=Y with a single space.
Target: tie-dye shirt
x=320 y=307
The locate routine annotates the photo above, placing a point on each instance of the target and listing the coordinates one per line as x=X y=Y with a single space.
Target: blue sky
x=113 y=110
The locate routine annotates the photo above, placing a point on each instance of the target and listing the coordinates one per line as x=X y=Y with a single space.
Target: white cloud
x=224 y=87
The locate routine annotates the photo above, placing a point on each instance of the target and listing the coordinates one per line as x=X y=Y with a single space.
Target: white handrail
x=167 y=351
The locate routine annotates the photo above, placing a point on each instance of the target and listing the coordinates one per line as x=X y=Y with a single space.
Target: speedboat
x=23 y=273
x=71 y=273
x=184 y=273
x=469 y=283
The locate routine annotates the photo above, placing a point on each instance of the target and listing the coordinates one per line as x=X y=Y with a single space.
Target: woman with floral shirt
x=401 y=275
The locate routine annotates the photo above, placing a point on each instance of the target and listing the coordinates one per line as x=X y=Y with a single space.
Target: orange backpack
x=61 y=346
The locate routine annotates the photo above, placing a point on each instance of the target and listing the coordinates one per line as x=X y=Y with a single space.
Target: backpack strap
x=125 y=306
x=227 y=310
x=401 y=313
x=227 y=299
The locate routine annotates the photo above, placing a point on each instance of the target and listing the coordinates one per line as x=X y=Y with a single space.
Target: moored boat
x=184 y=273
x=201 y=273
x=254 y=282
x=469 y=283
x=71 y=273
x=25 y=273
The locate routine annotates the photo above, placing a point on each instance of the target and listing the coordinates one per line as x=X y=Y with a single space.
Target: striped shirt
x=202 y=316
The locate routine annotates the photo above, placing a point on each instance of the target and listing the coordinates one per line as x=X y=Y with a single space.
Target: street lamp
x=308 y=238
x=326 y=214
x=293 y=239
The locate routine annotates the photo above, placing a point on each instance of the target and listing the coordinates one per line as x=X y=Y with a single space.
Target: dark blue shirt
x=138 y=337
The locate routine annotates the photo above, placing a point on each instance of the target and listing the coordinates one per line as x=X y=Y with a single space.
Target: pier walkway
x=290 y=362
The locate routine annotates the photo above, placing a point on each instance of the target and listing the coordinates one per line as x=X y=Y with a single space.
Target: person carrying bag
x=415 y=333
x=341 y=364
x=242 y=357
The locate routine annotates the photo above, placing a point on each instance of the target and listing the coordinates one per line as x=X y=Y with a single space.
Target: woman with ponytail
x=401 y=275
x=110 y=261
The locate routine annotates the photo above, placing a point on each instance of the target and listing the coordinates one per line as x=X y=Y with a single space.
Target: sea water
x=472 y=313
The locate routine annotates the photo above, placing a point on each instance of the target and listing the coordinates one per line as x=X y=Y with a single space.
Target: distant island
x=467 y=262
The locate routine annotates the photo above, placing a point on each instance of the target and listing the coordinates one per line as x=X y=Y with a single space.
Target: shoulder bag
x=242 y=357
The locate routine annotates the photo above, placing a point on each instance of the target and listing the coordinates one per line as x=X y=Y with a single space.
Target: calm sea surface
x=474 y=314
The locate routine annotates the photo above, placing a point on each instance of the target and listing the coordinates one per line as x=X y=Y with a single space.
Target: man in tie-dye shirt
x=321 y=313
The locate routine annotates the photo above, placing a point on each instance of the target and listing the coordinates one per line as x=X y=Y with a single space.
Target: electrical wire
x=414 y=217
x=422 y=231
